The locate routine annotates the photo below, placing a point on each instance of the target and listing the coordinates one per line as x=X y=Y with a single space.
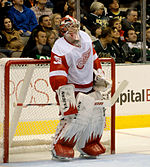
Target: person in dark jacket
x=102 y=45
x=44 y=25
x=113 y=9
x=40 y=50
x=119 y=48
x=95 y=17
x=131 y=22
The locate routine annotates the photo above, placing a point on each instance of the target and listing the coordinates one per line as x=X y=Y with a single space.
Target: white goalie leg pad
x=61 y=149
x=77 y=126
x=90 y=121
x=59 y=128
x=67 y=100
x=96 y=122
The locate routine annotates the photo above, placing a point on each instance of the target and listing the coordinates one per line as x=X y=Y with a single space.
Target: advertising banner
x=135 y=99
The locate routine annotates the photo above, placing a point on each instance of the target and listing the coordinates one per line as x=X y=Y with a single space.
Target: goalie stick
x=121 y=87
x=103 y=103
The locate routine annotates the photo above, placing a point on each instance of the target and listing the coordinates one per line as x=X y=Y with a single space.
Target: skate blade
x=83 y=156
x=59 y=158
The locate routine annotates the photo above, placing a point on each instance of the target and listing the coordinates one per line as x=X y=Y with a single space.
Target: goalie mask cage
x=30 y=128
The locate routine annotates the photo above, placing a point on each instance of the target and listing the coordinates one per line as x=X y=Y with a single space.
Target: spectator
x=55 y=22
x=114 y=10
x=23 y=18
x=72 y=8
x=120 y=49
x=135 y=47
x=97 y=16
x=40 y=9
x=44 y=25
x=61 y=7
x=51 y=38
x=102 y=45
x=3 y=51
x=115 y=22
x=40 y=50
x=49 y=4
x=96 y=31
x=14 y=41
x=5 y=5
x=130 y=21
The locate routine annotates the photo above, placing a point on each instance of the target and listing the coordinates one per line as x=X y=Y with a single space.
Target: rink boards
x=132 y=107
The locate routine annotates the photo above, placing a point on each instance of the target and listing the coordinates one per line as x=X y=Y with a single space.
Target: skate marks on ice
x=118 y=160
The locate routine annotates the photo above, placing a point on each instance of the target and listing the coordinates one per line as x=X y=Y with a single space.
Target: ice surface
x=118 y=160
x=132 y=150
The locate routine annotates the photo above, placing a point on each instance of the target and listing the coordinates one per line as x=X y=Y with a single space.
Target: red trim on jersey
x=94 y=52
x=57 y=81
x=97 y=64
x=83 y=86
x=59 y=63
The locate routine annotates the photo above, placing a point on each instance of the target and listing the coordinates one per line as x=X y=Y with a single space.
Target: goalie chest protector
x=79 y=60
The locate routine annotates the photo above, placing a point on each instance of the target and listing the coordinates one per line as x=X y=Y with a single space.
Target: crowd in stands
x=29 y=28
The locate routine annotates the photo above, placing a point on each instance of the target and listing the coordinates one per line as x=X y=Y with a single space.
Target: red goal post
x=26 y=81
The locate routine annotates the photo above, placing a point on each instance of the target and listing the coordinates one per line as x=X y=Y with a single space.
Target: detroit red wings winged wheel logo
x=82 y=61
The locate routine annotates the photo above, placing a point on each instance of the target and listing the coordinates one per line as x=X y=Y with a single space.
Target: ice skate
x=59 y=158
x=85 y=156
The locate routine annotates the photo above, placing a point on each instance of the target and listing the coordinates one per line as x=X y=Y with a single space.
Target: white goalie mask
x=69 y=28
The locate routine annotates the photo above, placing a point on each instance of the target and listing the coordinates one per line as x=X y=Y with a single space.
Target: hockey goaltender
x=73 y=60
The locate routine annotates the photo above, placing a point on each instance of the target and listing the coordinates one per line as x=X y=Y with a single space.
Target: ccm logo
x=99 y=103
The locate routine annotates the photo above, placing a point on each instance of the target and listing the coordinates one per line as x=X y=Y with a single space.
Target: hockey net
x=29 y=116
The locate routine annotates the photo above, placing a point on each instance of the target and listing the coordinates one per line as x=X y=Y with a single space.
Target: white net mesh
x=35 y=124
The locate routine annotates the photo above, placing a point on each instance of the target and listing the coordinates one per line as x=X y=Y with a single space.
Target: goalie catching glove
x=67 y=100
x=100 y=82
